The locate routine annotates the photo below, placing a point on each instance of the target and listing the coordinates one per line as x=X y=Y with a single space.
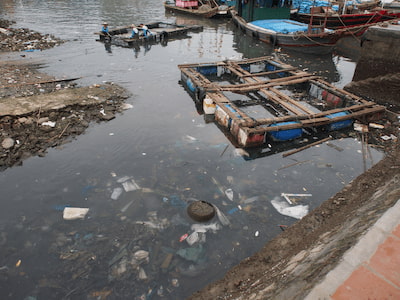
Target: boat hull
x=345 y=20
x=322 y=43
x=204 y=13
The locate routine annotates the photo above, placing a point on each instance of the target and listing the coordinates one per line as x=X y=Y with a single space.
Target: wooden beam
x=306 y=146
x=292 y=101
x=269 y=72
x=249 y=87
x=317 y=115
x=314 y=121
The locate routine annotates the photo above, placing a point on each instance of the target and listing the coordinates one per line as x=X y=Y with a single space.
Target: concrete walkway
x=370 y=269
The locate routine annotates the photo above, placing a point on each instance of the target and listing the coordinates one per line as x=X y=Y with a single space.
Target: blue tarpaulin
x=304 y=6
x=281 y=25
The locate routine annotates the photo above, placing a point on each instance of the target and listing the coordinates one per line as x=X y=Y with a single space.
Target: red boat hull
x=346 y=20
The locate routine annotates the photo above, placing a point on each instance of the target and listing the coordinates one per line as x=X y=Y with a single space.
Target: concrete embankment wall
x=380 y=52
x=377 y=75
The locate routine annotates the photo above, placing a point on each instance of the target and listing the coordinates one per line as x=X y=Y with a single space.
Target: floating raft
x=160 y=31
x=262 y=99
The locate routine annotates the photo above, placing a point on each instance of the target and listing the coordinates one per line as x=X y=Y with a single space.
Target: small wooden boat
x=262 y=99
x=290 y=34
x=159 y=32
x=200 y=8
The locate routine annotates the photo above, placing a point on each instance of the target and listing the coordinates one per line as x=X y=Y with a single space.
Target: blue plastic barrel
x=341 y=124
x=285 y=135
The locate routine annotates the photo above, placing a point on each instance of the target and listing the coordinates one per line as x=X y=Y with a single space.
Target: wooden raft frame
x=248 y=82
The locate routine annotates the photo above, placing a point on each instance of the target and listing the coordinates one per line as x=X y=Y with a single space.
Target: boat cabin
x=252 y=10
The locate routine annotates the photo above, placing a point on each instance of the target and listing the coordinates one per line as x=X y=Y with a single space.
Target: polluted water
x=105 y=215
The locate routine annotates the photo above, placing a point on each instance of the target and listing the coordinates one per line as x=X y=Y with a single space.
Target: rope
x=349 y=28
x=300 y=34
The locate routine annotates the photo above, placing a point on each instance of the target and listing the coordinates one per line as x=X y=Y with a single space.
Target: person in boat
x=145 y=29
x=135 y=31
x=104 y=29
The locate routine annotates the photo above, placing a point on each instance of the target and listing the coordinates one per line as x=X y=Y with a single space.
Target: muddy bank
x=30 y=125
x=381 y=89
x=38 y=111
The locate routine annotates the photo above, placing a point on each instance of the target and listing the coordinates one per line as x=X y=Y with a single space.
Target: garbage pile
x=23 y=39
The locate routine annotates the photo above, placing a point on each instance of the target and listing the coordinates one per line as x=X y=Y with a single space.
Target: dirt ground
x=28 y=130
x=24 y=135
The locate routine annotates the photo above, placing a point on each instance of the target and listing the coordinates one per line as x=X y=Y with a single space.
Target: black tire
x=163 y=35
x=201 y=211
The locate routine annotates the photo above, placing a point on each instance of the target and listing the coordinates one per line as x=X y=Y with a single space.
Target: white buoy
x=208 y=106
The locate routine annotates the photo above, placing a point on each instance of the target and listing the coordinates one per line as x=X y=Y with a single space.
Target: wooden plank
x=245 y=61
x=282 y=99
x=234 y=70
x=221 y=100
x=306 y=147
x=317 y=115
x=197 y=78
x=269 y=72
x=292 y=101
x=336 y=91
x=312 y=122
x=249 y=87
x=286 y=105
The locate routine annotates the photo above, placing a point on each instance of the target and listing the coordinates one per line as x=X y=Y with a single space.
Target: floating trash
x=221 y=216
x=183 y=237
x=130 y=185
x=201 y=211
x=205 y=227
x=287 y=196
x=73 y=213
x=229 y=194
x=141 y=255
x=297 y=212
x=126 y=106
x=193 y=238
x=142 y=274
x=235 y=209
x=116 y=193
x=192 y=254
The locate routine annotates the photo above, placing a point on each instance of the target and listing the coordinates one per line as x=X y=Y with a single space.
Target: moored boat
x=289 y=34
x=345 y=15
x=200 y=8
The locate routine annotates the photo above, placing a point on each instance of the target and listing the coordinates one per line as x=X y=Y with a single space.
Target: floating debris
x=297 y=212
x=74 y=213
